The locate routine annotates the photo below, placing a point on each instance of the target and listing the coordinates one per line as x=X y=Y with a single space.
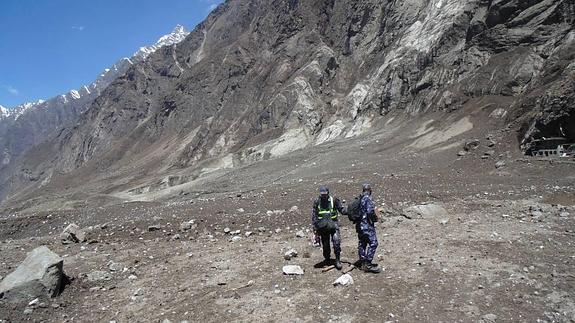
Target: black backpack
x=354 y=210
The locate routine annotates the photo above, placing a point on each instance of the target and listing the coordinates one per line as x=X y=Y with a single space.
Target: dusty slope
x=490 y=255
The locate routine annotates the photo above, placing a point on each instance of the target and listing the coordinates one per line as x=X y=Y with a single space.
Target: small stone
x=292 y=253
x=471 y=144
x=344 y=280
x=444 y=221
x=113 y=266
x=292 y=270
x=262 y=229
x=564 y=214
x=278 y=230
x=227 y=230
x=28 y=311
x=155 y=227
x=72 y=234
x=300 y=234
x=248 y=233
x=240 y=210
x=294 y=209
x=500 y=164
x=461 y=153
x=185 y=226
x=236 y=238
x=96 y=276
x=132 y=277
x=489 y=318
x=175 y=237
x=34 y=302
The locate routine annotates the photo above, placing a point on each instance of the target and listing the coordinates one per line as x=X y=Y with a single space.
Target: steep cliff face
x=30 y=124
x=260 y=79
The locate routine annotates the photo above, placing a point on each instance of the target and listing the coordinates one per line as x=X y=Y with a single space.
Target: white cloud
x=10 y=89
x=78 y=28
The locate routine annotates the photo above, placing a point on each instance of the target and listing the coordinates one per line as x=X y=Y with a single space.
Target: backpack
x=354 y=210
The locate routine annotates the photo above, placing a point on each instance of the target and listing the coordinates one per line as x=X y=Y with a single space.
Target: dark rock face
x=259 y=79
x=40 y=274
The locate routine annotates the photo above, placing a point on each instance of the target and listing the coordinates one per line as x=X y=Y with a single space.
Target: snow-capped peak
x=177 y=35
x=3 y=111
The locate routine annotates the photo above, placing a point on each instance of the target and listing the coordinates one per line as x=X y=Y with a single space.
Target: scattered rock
x=292 y=270
x=500 y=164
x=344 y=280
x=40 y=274
x=97 y=276
x=227 y=230
x=278 y=230
x=300 y=234
x=72 y=234
x=240 y=210
x=248 y=233
x=262 y=229
x=292 y=253
x=236 y=238
x=444 y=221
x=28 y=311
x=471 y=144
x=498 y=113
x=175 y=237
x=489 y=318
x=114 y=266
x=185 y=226
x=155 y=227
x=294 y=209
x=461 y=153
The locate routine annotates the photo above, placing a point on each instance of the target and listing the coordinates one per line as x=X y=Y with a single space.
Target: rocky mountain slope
x=29 y=124
x=260 y=79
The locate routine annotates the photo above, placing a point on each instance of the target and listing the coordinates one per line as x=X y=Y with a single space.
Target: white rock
x=292 y=270
x=344 y=280
x=236 y=238
x=300 y=234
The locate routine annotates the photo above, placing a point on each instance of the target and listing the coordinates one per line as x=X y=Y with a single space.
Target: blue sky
x=48 y=47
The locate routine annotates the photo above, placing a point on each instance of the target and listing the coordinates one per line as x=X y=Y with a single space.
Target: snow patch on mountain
x=177 y=35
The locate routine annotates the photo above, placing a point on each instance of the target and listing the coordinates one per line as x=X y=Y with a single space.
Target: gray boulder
x=40 y=274
x=72 y=234
x=424 y=211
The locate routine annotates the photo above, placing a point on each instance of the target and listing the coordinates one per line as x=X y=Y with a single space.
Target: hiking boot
x=337 y=264
x=323 y=264
x=368 y=267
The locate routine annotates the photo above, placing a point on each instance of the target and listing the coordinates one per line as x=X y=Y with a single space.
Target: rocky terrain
x=193 y=174
x=501 y=251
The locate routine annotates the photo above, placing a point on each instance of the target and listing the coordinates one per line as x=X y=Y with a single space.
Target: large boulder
x=424 y=211
x=40 y=274
x=72 y=234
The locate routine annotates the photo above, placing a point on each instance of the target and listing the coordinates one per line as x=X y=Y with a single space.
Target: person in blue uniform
x=366 y=234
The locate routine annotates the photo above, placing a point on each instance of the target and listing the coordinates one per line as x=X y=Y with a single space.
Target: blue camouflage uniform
x=334 y=206
x=366 y=230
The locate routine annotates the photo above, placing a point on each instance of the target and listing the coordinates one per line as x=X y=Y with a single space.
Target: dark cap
x=366 y=187
x=323 y=190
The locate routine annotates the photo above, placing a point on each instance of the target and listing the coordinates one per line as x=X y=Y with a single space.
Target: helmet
x=323 y=190
x=366 y=188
